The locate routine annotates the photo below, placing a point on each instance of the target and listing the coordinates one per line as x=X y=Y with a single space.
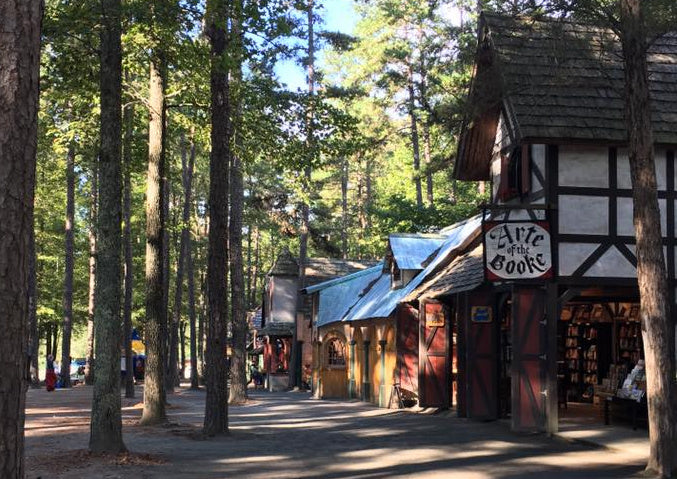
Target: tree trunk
x=216 y=374
x=658 y=330
x=19 y=84
x=368 y=191
x=344 y=208
x=187 y=164
x=248 y=287
x=129 y=254
x=294 y=377
x=204 y=313
x=106 y=422
x=170 y=331
x=55 y=339
x=154 y=397
x=194 y=382
x=48 y=339
x=33 y=332
x=414 y=138
x=238 y=359
x=65 y=371
x=190 y=273
x=182 y=350
x=428 y=160
x=255 y=270
x=89 y=354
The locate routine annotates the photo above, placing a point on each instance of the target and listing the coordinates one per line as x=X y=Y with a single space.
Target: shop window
x=515 y=174
x=396 y=277
x=336 y=353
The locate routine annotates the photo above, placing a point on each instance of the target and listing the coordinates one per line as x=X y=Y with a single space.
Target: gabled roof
x=285 y=265
x=464 y=273
x=411 y=250
x=557 y=80
x=336 y=281
x=338 y=296
x=319 y=270
x=380 y=301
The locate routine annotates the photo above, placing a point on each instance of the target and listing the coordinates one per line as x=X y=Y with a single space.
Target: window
x=336 y=353
x=396 y=277
x=515 y=174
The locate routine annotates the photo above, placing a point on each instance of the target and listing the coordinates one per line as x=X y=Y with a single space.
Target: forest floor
x=290 y=435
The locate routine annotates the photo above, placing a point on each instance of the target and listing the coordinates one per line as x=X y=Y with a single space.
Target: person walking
x=50 y=375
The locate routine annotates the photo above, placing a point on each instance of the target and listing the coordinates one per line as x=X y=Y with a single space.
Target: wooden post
x=366 y=384
x=382 y=385
x=552 y=313
x=351 y=379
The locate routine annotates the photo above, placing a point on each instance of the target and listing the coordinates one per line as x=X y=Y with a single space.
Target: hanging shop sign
x=517 y=250
x=434 y=315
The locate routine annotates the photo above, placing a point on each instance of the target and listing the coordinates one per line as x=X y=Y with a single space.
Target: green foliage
x=359 y=129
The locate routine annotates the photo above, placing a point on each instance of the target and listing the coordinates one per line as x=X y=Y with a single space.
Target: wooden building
x=364 y=316
x=285 y=322
x=553 y=317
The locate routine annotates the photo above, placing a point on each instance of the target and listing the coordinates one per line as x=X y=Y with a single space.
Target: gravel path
x=289 y=435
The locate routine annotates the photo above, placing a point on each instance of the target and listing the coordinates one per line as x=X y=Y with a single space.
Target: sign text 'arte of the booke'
x=516 y=251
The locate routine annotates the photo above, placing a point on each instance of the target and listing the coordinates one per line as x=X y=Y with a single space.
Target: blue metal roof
x=350 y=277
x=380 y=301
x=339 y=295
x=411 y=250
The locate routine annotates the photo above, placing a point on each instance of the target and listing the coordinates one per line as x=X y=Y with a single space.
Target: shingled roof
x=557 y=80
x=319 y=270
x=463 y=274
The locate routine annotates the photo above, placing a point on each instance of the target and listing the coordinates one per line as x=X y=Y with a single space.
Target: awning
x=465 y=273
x=275 y=329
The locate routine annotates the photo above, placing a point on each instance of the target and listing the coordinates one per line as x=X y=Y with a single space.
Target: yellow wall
x=391 y=362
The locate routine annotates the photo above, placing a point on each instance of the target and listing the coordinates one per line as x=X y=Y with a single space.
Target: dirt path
x=288 y=435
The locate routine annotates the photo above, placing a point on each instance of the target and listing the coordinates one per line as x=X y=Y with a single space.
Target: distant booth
x=279 y=321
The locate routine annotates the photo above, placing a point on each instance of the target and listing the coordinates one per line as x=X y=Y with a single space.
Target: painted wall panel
x=583 y=215
x=583 y=166
x=624 y=216
x=284 y=293
x=612 y=264
x=495 y=177
x=537 y=162
x=571 y=255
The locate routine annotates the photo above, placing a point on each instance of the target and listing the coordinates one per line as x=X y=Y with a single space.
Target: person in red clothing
x=50 y=377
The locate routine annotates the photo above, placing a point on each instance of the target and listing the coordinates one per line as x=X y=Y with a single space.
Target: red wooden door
x=407 y=348
x=529 y=359
x=434 y=364
x=482 y=357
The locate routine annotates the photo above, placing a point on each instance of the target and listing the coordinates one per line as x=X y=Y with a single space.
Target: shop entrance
x=600 y=374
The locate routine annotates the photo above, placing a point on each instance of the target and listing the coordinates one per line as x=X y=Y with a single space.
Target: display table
x=637 y=410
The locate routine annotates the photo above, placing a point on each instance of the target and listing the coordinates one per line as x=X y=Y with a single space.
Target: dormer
x=407 y=254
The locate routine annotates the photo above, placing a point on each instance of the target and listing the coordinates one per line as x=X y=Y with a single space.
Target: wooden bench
x=638 y=410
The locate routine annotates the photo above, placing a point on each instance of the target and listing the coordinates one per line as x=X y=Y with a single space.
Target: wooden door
x=481 y=349
x=434 y=363
x=529 y=359
x=407 y=348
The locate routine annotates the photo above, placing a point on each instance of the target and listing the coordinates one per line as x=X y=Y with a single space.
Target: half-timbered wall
x=594 y=233
x=589 y=192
